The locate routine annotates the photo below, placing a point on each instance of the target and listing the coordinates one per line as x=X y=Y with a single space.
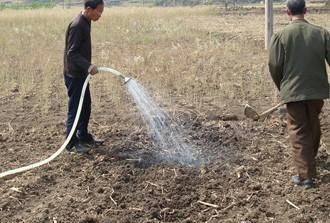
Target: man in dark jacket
x=297 y=65
x=77 y=65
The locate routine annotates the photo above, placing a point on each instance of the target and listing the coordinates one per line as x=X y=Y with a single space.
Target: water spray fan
x=114 y=72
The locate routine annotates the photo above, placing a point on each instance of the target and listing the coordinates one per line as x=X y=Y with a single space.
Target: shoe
x=79 y=148
x=91 y=140
x=297 y=180
x=71 y=144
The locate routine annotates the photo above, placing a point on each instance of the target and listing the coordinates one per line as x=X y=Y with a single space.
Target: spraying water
x=166 y=133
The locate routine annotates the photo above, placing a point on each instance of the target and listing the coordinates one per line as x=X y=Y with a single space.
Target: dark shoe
x=297 y=180
x=72 y=143
x=91 y=140
x=80 y=148
x=69 y=148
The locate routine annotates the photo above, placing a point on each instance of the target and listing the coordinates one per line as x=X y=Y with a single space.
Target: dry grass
x=183 y=55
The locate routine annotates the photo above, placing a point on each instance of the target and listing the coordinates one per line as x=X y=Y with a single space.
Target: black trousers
x=74 y=87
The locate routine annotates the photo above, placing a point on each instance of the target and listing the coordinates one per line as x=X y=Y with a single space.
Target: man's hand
x=93 y=69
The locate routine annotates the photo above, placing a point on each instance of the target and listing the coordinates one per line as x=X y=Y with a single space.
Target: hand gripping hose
x=75 y=123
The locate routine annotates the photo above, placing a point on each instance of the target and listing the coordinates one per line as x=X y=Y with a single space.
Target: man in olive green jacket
x=297 y=65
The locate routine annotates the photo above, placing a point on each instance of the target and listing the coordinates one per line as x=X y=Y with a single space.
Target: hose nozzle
x=127 y=79
x=114 y=72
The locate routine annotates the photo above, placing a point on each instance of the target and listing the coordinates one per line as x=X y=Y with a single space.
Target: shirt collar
x=299 y=21
x=85 y=18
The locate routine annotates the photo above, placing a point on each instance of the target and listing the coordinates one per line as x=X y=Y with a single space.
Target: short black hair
x=92 y=3
x=296 y=7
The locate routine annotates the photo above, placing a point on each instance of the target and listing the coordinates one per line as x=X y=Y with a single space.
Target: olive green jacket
x=297 y=61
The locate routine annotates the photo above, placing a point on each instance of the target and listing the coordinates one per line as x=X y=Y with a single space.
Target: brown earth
x=247 y=174
x=246 y=178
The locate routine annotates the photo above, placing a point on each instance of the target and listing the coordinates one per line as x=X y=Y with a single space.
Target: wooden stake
x=268 y=22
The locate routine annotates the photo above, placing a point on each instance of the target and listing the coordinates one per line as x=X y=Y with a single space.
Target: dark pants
x=305 y=134
x=74 y=87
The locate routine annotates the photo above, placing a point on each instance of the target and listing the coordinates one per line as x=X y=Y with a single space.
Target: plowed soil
x=246 y=176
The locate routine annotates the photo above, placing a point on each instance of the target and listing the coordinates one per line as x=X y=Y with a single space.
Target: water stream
x=166 y=133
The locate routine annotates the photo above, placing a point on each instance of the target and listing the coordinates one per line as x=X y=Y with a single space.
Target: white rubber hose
x=116 y=73
x=58 y=152
x=108 y=69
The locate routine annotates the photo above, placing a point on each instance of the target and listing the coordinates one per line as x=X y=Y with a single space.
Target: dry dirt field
x=201 y=65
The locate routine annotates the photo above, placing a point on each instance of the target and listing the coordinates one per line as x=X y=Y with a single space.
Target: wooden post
x=268 y=22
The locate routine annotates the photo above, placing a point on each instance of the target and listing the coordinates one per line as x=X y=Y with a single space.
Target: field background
x=201 y=64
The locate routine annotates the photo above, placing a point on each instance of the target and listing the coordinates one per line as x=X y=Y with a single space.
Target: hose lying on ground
x=58 y=152
x=75 y=123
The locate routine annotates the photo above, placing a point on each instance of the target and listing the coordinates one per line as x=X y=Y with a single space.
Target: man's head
x=296 y=7
x=93 y=9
